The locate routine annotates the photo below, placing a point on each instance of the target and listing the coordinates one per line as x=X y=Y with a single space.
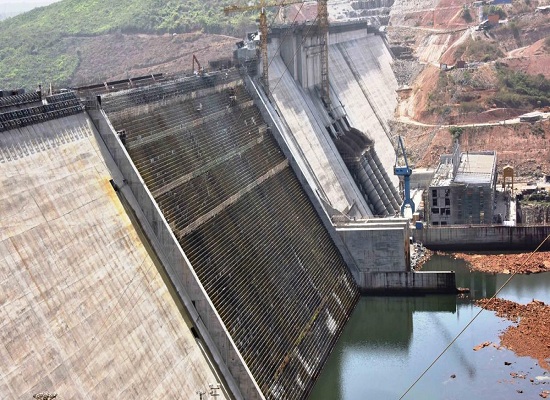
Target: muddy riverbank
x=530 y=333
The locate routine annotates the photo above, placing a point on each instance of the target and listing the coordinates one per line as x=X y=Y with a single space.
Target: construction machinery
x=263 y=33
x=322 y=23
x=199 y=70
x=406 y=172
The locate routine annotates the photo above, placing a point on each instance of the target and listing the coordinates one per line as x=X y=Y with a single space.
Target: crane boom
x=199 y=68
x=402 y=147
x=263 y=30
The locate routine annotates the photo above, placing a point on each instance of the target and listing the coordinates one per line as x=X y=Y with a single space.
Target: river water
x=390 y=341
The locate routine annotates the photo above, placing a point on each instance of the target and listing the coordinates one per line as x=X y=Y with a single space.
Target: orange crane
x=199 y=68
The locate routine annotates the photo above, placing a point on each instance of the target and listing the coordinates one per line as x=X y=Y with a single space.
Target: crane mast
x=263 y=31
x=406 y=173
x=322 y=15
x=263 y=47
x=322 y=24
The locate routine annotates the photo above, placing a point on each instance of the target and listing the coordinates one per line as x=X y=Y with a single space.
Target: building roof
x=476 y=168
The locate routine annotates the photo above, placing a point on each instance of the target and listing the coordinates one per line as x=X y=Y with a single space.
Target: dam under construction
x=201 y=236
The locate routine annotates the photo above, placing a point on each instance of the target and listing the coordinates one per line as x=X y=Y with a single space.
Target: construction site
x=208 y=234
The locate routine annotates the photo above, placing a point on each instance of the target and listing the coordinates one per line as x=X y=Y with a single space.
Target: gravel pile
x=419 y=255
x=406 y=71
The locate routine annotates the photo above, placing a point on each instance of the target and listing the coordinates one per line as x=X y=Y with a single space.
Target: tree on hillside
x=456 y=132
x=487 y=10
x=467 y=16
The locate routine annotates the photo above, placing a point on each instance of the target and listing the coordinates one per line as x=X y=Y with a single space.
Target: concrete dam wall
x=307 y=127
x=363 y=96
x=361 y=75
x=84 y=311
x=257 y=258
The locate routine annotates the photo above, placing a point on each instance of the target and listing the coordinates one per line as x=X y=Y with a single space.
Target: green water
x=390 y=341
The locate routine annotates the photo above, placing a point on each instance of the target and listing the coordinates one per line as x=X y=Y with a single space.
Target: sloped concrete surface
x=361 y=74
x=84 y=311
x=316 y=144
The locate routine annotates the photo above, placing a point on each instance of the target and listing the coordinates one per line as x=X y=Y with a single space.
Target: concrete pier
x=409 y=283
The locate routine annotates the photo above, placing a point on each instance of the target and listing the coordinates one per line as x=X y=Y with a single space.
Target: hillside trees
x=34 y=45
x=519 y=90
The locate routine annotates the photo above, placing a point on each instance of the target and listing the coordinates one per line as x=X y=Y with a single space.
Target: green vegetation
x=481 y=50
x=516 y=33
x=468 y=107
x=437 y=100
x=541 y=197
x=538 y=130
x=497 y=10
x=467 y=16
x=513 y=28
x=34 y=44
x=519 y=90
x=456 y=132
x=487 y=10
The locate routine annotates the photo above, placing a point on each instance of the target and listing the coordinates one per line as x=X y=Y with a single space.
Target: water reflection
x=390 y=341
x=393 y=327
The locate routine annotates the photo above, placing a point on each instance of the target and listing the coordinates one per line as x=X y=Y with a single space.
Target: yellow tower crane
x=322 y=18
x=322 y=21
x=263 y=31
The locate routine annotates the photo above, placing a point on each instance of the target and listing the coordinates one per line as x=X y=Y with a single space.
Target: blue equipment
x=405 y=172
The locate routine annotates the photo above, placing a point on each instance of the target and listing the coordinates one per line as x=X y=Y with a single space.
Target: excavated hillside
x=525 y=146
x=506 y=74
x=500 y=75
x=120 y=56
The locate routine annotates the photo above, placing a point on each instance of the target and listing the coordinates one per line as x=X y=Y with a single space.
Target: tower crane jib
x=261 y=6
x=322 y=22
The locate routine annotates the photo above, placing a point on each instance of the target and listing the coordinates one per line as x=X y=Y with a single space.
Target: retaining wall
x=408 y=282
x=378 y=247
x=479 y=237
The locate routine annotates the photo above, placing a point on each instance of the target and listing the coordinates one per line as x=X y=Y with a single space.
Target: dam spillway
x=363 y=97
x=249 y=231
